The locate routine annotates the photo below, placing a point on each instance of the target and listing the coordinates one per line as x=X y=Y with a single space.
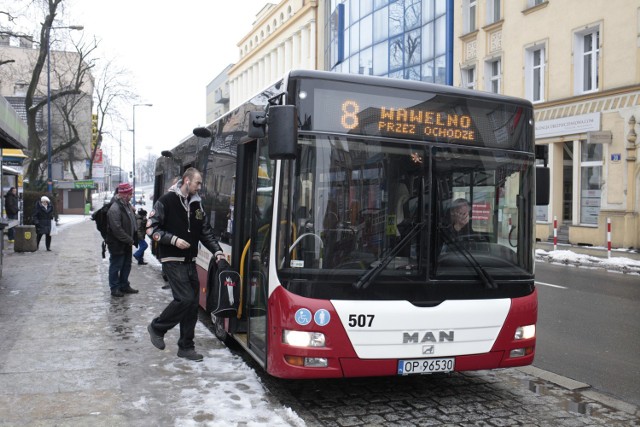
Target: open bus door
x=256 y=217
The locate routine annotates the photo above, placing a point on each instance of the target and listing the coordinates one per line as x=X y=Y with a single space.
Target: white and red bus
x=332 y=194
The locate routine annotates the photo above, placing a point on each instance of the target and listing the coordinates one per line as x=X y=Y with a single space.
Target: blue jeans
x=142 y=246
x=119 y=269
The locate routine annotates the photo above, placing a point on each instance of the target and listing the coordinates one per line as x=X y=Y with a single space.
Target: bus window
x=353 y=202
x=218 y=189
x=478 y=211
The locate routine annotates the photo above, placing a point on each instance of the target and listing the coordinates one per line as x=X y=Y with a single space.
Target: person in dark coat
x=12 y=209
x=141 y=219
x=42 y=217
x=179 y=223
x=121 y=236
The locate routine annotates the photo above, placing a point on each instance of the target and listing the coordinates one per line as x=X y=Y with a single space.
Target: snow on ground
x=616 y=263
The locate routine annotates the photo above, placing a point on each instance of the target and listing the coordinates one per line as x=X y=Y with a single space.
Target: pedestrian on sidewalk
x=12 y=209
x=121 y=236
x=178 y=222
x=42 y=217
x=141 y=220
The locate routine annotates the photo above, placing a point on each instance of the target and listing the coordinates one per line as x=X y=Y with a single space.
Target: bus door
x=255 y=256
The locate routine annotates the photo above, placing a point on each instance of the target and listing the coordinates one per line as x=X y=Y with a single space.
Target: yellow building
x=578 y=62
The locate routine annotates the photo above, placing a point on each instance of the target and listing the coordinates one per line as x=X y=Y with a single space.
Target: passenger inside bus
x=460 y=213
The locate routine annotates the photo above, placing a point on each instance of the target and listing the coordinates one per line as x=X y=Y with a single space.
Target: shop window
x=590 y=182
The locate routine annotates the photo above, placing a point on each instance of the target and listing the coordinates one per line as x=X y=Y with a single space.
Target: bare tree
x=71 y=87
x=112 y=90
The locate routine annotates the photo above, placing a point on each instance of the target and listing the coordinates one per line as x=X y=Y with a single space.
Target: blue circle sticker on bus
x=303 y=316
x=322 y=317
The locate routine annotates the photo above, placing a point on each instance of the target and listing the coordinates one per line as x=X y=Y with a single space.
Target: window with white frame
x=534 y=73
x=586 y=59
x=493 y=11
x=469 y=77
x=493 y=71
x=469 y=15
x=590 y=182
x=531 y=3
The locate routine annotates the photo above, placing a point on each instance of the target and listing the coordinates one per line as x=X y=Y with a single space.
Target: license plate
x=425 y=366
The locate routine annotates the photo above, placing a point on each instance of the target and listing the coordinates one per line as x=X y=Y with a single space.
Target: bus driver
x=460 y=212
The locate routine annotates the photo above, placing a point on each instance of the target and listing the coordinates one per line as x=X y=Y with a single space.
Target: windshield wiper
x=368 y=277
x=485 y=277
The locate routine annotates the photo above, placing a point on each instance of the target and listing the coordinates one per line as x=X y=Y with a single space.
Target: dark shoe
x=142 y=262
x=166 y=287
x=129 y=290
x=49 y=250
x=156 y=340
x=189 y=353
x=117 y=293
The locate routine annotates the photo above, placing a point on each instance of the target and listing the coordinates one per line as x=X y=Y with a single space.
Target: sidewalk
x=624 y=261
x=72 y=355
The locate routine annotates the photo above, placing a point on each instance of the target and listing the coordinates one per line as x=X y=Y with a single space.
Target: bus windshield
x=356 y=203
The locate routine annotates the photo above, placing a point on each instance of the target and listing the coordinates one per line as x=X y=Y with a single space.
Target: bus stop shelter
x=13 y=134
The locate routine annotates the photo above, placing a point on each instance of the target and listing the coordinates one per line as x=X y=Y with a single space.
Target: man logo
x=428 y=349
x=438 y=336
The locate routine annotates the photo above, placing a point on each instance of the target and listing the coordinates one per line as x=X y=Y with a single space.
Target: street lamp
x=120 y=159
x=49 y=175
x=133 y=145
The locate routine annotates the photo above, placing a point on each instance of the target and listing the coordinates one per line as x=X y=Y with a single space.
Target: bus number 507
x=361 y=320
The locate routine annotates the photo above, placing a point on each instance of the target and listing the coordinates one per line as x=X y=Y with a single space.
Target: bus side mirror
x=282 y=131
x=256 y=124
x=542 y=186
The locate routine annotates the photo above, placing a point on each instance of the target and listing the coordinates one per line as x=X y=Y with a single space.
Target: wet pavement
x=71 y=355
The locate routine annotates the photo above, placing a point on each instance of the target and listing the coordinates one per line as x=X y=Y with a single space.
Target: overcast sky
x=173 y=50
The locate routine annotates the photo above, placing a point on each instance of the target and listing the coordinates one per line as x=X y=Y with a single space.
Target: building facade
x=14 y=80
x=406 y=39
x=580 y=67
x=218 y=97
x=285 y=36
x=70 y=166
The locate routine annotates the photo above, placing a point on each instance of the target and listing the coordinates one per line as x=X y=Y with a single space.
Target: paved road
x=588 y=327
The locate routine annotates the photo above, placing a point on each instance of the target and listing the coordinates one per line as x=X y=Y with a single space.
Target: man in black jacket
x=12 y=209
x=121 y=235
x=178 y=222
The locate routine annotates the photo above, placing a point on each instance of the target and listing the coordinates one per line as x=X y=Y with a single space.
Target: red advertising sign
x=480 y=211
x=98 y=156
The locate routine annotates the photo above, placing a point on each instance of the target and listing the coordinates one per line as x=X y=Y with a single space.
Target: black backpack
x=223 y=296
x=102 y=224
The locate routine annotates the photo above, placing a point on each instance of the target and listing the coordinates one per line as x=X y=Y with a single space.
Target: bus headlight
x=525 y=332
x=303 y=339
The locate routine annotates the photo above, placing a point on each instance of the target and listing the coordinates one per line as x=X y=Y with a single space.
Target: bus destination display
x=375 y=115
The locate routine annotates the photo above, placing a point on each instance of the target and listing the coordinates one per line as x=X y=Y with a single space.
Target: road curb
x=583 y=388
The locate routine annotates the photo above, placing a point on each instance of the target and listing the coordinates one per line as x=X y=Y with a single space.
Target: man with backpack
x=120 y=237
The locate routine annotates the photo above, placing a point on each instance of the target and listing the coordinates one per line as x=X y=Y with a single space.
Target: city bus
x=333 y=196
